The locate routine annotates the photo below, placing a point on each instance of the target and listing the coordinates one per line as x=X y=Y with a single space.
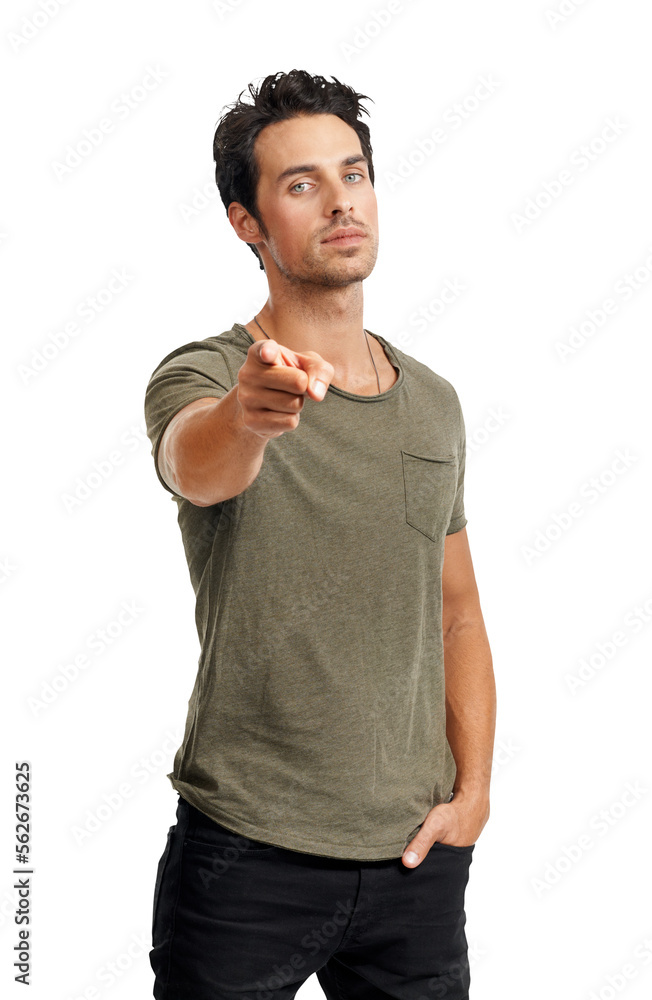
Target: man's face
x=302 y=209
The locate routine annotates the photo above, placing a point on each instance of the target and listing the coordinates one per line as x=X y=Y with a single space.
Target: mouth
x=345 y=238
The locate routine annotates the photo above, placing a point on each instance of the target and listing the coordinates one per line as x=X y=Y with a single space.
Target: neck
x=331 y=324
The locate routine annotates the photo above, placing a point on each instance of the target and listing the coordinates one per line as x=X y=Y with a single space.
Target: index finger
x=271 y=352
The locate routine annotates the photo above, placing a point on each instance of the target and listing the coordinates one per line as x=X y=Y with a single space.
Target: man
x=334 y=773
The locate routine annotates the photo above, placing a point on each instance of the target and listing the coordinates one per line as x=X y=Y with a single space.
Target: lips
x=343 y=232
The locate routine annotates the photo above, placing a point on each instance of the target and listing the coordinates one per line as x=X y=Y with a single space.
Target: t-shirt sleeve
x=192 y=372
x=458 y=518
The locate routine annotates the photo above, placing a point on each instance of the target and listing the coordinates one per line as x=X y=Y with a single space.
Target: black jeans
x=238 y=919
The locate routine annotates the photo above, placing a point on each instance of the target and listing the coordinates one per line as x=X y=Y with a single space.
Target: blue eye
x=300 y=183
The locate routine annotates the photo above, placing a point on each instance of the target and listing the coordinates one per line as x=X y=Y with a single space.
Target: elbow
x=455 y=625
x=200 y=494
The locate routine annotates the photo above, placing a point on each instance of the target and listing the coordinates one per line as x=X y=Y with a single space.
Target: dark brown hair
x=279 y=96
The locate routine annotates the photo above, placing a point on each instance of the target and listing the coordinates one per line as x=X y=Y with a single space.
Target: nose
x=339 y=197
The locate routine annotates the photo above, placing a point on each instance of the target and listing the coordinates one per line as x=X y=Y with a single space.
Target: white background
x=540 y=423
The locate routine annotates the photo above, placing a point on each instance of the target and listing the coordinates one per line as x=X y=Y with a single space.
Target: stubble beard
x=315 y=271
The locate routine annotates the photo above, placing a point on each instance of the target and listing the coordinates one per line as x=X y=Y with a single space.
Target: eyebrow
x=310 y=168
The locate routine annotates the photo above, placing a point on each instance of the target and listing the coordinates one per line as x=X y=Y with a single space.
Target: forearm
x=211 y=454
x=470 y=707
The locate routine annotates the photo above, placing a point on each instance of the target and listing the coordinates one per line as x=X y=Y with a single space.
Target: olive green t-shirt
x=317 y=721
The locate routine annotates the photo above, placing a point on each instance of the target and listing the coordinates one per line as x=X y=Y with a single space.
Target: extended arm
x=207 y=454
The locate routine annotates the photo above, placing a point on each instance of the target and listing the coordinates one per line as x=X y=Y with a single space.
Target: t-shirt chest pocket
x=430 y=487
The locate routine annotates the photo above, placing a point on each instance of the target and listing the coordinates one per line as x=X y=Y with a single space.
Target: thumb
x=413 y=855
x=417 y=849
x=320 y=373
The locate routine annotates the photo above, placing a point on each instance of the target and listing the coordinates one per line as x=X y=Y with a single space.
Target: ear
x=244 y=224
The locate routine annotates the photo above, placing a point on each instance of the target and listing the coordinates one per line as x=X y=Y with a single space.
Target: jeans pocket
x=464 y=849
x=205 y=833
x=430 y=488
